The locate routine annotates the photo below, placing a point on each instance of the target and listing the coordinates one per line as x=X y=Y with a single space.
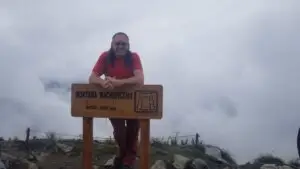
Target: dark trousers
x=126 y=135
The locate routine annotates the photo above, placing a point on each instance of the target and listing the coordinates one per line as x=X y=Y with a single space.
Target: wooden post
x=87 y=142
x=145 y=144
x=27 y=140
x=27 y=136
x=197 y=139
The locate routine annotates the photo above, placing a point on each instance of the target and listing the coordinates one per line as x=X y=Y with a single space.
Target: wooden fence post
x=197 y=139
x=27 y=140
x=87 y=142
x=145 y=144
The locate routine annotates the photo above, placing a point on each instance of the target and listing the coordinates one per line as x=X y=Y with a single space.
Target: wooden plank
x=144 y=144
x=87 y=142
x=143 y=102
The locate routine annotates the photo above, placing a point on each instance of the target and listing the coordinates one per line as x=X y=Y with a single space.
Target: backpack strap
x=106 y=63
x=128 y=60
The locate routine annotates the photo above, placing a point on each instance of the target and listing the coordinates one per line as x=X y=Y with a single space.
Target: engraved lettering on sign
x=103 y=107
x=95 y=107
x=113 y=108
x=116 y=95
x=104 y=95
x=89 y=106
x=146 y=101
x=86 y=94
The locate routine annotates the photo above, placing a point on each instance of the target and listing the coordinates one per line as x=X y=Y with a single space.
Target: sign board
x=145 y=102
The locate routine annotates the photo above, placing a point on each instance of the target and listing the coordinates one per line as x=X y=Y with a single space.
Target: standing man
x=298 y=142
x=121 y=67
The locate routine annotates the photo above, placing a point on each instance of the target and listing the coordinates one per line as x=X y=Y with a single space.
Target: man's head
x=120 y=44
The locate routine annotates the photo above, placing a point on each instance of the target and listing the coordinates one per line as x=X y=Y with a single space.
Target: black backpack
x=110 y=60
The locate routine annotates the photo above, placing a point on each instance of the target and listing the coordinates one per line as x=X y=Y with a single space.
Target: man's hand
x=115 y=82
x=107 y=84
x=94 y=79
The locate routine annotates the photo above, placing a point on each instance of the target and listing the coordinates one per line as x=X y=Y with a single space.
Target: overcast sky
x=229 y=69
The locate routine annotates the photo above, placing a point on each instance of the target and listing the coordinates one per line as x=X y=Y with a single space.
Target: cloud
x=229 y=69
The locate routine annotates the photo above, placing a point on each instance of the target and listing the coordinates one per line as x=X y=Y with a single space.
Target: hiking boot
x=127 y=167
x=117 y=163
x=129 y=162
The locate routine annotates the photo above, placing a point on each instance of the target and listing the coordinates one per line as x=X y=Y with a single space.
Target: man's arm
x=98 y=71
x=94 y=79
x=138 y=77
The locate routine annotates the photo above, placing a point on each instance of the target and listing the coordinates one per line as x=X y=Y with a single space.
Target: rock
x=42 y=156
x=95 y=167
x=2 y=166
x=274 y=166
x=109 y=162
x=180 y=161
x=196 y=164
x=214 y=152
x=285 y=167
x=32 y=166
x=159 y=164
x=268 y=166
x=37 y=156
x=65 y=148
x=200 y=164
x=12 y=161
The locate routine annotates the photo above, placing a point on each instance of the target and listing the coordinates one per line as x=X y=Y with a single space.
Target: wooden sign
x=143 y=102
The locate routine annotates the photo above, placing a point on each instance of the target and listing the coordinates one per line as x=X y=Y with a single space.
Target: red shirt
x=120 y=70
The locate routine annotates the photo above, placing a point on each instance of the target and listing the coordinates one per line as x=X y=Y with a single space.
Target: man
x=298 y=142
x=120 y=67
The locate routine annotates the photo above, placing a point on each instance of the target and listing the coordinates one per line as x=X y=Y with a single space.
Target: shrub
x=268 y=159
x=174 y=141
x=51 y=136
x=184 y=142
x=158 y=142
x=109 y=141
x=294 y=163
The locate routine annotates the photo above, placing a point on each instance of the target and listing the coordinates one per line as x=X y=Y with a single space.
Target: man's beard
x=121 y=52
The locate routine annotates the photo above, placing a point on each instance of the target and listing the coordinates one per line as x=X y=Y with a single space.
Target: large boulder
x=2 y=166
x=159 y=164
x=182 y=162
x=274 y=166
x=179 y=161
x=198 y=164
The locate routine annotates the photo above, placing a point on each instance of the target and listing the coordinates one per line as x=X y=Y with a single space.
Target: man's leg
x=120 y=137
x=132 y=132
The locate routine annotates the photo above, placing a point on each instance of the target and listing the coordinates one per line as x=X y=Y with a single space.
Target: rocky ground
x=66 y=154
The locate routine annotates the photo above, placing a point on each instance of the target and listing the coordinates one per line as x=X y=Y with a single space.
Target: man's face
x=120 y=45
